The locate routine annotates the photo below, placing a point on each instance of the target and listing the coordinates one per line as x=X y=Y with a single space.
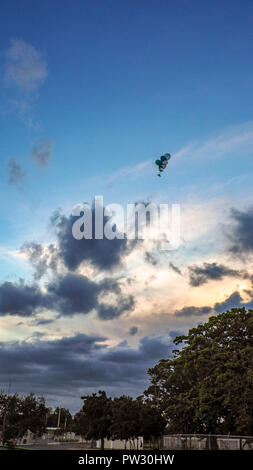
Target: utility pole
x=4 y=425
x=59 y=417
x=5 y=413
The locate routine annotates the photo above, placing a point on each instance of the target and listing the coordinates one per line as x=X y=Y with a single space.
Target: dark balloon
x=163 y=162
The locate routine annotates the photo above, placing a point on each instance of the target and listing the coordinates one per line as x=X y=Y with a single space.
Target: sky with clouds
x=91 y=93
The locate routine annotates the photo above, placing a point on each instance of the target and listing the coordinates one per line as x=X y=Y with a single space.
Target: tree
x=18 y=414
x=125 y=418
x=133 y=418
x=208 y=385
x=94 y=420
x=152 y=422
x=121 y=418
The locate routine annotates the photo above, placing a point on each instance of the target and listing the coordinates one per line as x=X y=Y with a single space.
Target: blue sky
x=104 y=88
x=121 y=71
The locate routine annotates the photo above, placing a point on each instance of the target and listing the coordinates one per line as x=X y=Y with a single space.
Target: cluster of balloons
x=162 y=162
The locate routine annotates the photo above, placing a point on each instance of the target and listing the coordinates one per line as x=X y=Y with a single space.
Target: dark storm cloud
x=17 y=176
x=124 y=304
x=79 y=363
x=74 y=293
x=42 y=321
x=68 y=295
x=175 y=268
x=103 y=254
x=151 y=258
x=174 y=333
x=193 y=311
x=210 y=271
x=233 y=301
x=20 y=299
x=153 y=348
x=149 y=348
x=242 y=232
x=42 y=151
x=133 y=330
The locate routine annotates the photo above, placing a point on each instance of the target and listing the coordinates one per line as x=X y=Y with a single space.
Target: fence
x=207 y=442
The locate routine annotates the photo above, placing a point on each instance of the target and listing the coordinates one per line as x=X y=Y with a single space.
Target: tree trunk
x=102 y=443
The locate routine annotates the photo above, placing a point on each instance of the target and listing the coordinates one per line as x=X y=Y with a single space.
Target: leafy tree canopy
x=208 y=385
x=18 y=414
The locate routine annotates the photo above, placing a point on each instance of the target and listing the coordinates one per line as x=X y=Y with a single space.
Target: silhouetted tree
x=125 y=418
x=18 y=414
x=208 y=385
x=94 y=420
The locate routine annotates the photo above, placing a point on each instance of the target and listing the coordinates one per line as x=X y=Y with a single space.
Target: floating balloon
x=162 y=162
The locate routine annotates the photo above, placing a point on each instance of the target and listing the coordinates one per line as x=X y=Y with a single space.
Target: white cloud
x=233 y=140
x=130 y=170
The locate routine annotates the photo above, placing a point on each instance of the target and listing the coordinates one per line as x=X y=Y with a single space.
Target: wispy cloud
x=24 y=71
x=233 y=140
x=130 y=170
x=42 y=151
x=24 y=68
x=17 y=176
